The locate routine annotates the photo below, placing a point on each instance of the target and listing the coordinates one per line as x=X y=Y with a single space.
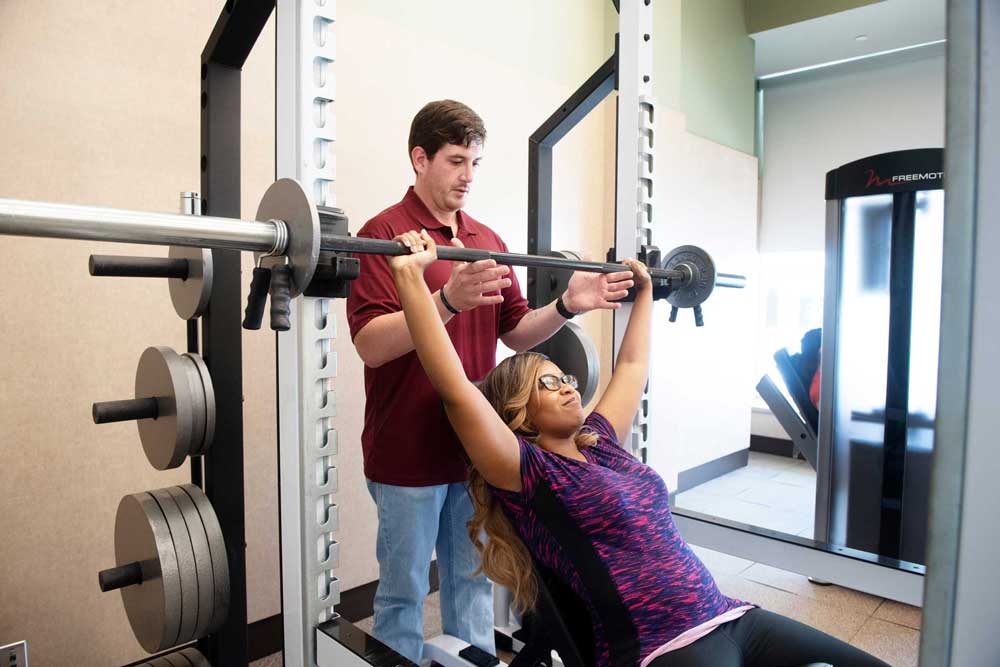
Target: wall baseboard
x=692 y=477
x=266 y=636
x=767 y=445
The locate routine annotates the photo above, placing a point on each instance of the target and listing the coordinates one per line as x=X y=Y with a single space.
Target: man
x=412 y=459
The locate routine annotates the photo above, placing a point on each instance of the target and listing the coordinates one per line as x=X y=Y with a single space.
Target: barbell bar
x=355 y=244
x=288 y=225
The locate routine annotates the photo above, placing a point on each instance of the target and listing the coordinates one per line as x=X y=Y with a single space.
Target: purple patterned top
x=604 y=528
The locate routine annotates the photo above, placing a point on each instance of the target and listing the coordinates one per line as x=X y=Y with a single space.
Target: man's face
x=448 y=176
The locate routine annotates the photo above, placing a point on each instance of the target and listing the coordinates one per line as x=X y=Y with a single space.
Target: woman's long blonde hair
x=504 y=557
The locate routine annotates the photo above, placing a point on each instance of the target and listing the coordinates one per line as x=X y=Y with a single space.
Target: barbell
x=300 y=241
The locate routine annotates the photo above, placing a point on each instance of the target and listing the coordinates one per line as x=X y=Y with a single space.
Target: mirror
x=830 y=460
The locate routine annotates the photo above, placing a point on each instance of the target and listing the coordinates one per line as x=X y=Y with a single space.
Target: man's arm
x=535 y=327
x=386 y=337
x=585 y=292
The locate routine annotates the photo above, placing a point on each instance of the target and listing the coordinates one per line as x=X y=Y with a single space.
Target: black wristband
x=451 y=309
x=563 y=310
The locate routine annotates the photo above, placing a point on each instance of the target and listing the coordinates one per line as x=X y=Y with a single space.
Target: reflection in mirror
x=842 y=414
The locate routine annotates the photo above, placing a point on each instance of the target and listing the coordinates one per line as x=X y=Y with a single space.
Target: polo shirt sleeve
x=373 y=293
x=514 y=305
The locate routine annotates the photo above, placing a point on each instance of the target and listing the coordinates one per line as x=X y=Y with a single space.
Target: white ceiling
x=891 y=24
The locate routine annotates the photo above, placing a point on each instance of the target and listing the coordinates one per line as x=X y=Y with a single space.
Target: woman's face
x=554 y=412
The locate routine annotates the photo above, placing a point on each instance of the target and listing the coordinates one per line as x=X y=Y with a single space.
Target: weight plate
x=190 y=297
x=195 y=657
x=166 y=439
x=202 y=560
x=196 y=393
x=185 y=564
x=178 y=659
x=217 y=549
x=571 y=349
x=287 y=200
x=171 y=660
x=694 y=291
x=208 y=391
x=153 y=607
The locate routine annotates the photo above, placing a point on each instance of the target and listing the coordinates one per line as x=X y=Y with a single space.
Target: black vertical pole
x=599 y=85
x=223 y=350
x=235 y=33
x=539 y=218
x=897 y=390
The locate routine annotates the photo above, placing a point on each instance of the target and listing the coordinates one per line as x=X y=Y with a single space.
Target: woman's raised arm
x=621 y=398
x=490 y=444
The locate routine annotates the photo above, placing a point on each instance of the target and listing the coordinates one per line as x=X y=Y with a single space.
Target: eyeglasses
x=554 y=382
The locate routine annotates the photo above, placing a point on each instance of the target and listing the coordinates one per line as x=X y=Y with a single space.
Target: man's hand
x=469 y=284
x=589 y=291
x=422 y=248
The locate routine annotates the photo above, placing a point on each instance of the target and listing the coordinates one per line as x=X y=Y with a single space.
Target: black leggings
x=760 y=638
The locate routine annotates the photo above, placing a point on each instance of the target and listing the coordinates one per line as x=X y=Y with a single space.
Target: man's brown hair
x=445 y=122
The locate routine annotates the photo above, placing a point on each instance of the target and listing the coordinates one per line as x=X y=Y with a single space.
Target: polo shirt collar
x=416 y=208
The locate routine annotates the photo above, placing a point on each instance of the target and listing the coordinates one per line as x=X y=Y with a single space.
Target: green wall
x=717 y=81
x=767 y=14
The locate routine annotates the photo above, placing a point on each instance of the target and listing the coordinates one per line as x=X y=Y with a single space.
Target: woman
x=561 y=491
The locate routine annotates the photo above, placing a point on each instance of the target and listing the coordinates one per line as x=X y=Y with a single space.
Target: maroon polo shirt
x=407 y=439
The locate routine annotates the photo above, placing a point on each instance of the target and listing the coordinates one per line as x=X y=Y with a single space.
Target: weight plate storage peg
x=171 y=567
x=174 y=406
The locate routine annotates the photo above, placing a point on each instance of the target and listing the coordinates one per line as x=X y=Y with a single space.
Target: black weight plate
x=702 y=282
x=571 y=349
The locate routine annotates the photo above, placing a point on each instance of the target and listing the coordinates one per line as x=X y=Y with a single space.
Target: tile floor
x=774 y=492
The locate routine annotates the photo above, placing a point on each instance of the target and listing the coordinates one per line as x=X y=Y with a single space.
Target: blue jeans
x=412 y=521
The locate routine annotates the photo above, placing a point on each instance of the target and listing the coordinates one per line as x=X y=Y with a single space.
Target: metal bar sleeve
x=42 y=219
x=730 y=280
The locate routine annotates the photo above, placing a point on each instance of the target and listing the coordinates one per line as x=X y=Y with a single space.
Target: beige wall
x=100 y=106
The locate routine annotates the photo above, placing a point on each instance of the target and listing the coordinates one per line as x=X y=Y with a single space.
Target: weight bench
x=559 y=622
